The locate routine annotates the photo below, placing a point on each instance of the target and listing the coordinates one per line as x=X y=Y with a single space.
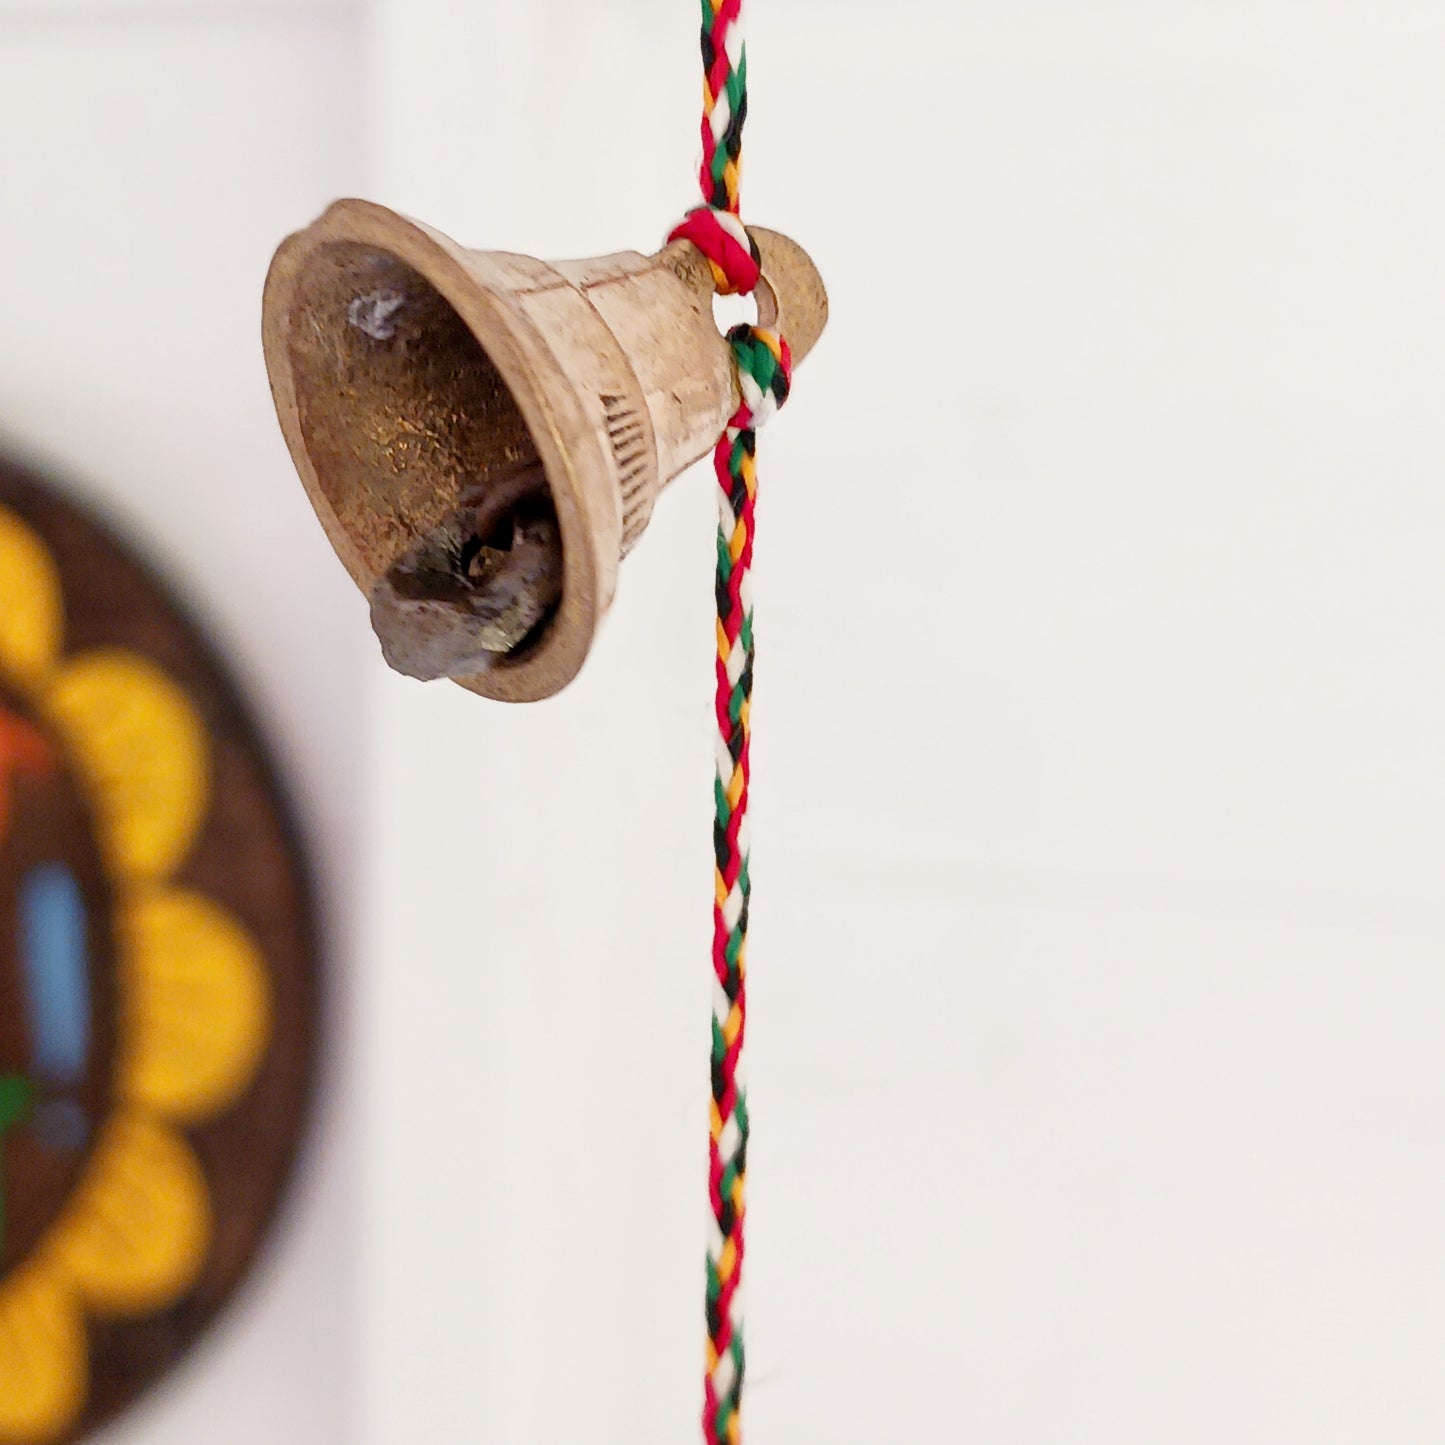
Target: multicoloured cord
x=764 y=367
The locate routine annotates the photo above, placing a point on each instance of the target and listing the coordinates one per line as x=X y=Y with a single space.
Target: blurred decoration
x=158 y=979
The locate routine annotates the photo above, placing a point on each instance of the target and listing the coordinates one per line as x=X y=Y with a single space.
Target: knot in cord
x=724 y=242
x=765 y=365
x=765 y=373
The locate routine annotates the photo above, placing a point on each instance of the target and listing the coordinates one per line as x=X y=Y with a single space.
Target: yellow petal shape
x=32 y=608
x=197 y=1009
x=43 y=1370
x=135 y=1235
x=141 y=750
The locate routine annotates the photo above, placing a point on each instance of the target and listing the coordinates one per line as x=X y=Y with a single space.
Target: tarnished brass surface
x=483 y=435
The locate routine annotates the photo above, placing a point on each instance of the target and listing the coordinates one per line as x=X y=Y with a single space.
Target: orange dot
x=22 y=749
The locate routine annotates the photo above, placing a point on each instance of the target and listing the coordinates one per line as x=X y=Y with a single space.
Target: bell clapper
x=478 y=587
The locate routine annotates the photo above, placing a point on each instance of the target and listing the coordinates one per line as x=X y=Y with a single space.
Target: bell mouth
x=424 y=457
x=441 y=445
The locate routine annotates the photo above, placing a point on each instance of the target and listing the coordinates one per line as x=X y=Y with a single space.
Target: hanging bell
x=483 y=435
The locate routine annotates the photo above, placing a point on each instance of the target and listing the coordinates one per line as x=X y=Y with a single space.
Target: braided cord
x=764 y=368
x=724 y=103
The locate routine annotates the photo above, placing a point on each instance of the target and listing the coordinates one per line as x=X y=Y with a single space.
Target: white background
x=1096 y=975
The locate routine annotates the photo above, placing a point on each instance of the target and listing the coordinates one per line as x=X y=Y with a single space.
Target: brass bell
x=483 y=435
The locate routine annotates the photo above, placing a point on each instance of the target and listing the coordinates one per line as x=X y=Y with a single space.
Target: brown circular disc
x=158 y=976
